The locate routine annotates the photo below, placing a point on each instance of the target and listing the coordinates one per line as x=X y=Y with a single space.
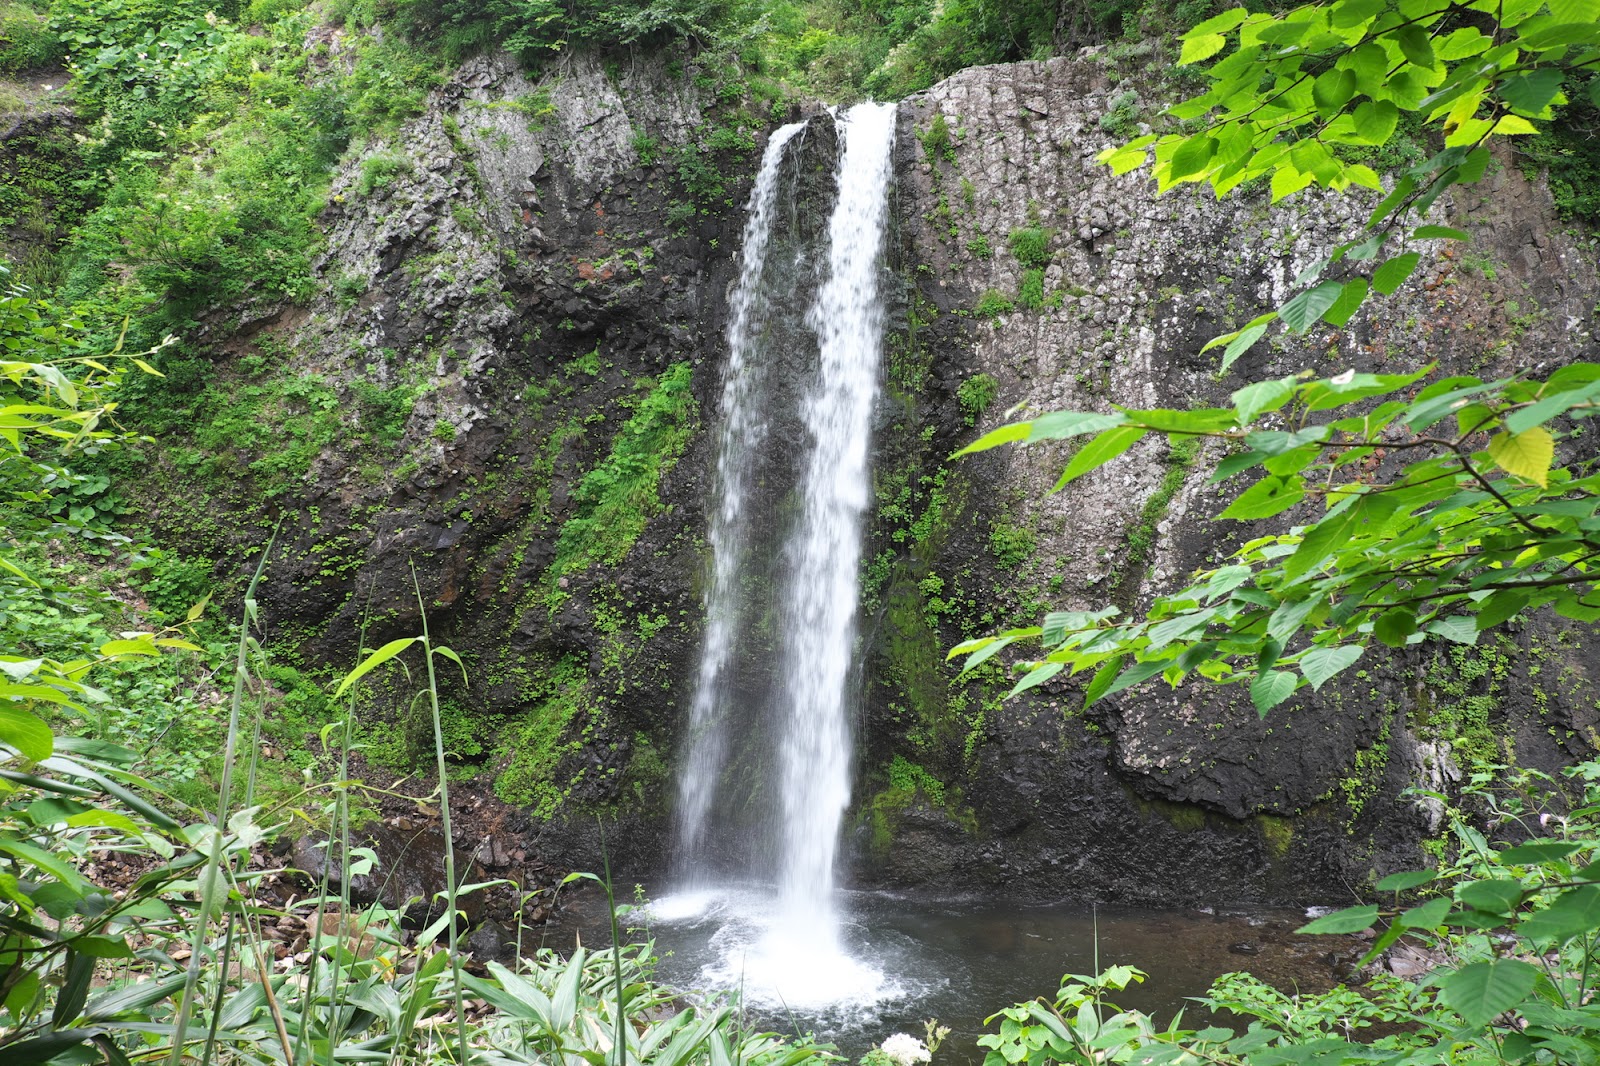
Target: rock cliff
x=1166 y=794
x=518 y=339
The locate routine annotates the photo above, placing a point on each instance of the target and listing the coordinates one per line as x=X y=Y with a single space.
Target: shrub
x=976 y=394
x=994 y=303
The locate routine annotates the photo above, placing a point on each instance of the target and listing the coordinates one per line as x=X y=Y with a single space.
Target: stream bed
x=911 y=957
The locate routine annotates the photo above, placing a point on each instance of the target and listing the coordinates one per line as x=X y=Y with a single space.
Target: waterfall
x=775 y=687
x=743 y=430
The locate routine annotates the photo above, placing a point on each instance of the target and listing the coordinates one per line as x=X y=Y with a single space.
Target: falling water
x=787 y=947
x=743 y=430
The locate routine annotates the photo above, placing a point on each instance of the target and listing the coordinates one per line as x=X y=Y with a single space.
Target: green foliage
x=994 y=303
x=1567 y=153
x=979 y=247
x=936 y=143
x=615 y=499
x=1514 y=927
x=1122 y=119
x=531 y=746
x=975 y=395
x=1298 y=90
x=1011 y=545
x=26 y=40
x=379 y=171
x=536 y=30
x=1478 y=525
x=1031 y=246
x=1030 y=296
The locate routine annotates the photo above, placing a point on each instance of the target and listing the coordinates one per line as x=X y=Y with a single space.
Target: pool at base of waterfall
x=901 y=958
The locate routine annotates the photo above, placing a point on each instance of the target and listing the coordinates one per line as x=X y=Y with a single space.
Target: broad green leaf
x=1349 y=920
x=1537 y=851
x=1429 y=915
x=1270 y=688
x=1526 y=455
x=1533 y=92
x=1036 y=677
x=1196 y=49
x=1222 y=23
x=1263 y=396
x=1241 y=344
x=1289 y=616
x=1349 y=302
x=1300 y=313
x=1060 y=425
x=1099 y=451
x=1394 y=626
x=1320 y=664
x=1267 y=497
x=1393 y=273
x=1482 y=991
x=1406 y=880
x=1497 y=895
x=1459 y=629
x=1550 y=406
x=29 y=735
x=1501 y=606
x=1575 y=912
x=1103 y=678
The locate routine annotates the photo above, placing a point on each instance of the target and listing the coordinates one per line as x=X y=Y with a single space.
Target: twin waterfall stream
x=777 y=680
x=765 y=765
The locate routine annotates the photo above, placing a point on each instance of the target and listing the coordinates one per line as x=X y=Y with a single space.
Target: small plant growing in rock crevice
x=976 y=394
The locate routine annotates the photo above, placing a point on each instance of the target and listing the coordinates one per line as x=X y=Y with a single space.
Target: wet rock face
x=527 y=264
x=1164 y=794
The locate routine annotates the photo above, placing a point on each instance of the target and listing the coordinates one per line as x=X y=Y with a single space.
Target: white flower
x=905 y=1050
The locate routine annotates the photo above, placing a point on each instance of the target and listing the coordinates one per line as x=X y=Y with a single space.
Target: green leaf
x=1270 y=688
x=1060 y=425
x=1406 y=880
x=1289 y=616
x=1333 y=89
x=1499 y=607
x=1429 y=915
x=1300 y=313
x=1482 y=991
x=1349 y=920
x=1415 y=45
x=1320 y=664
x=1036 y=677
x=1263 y=396
x=1549 y=407
x=1393 y=273
x=1194 y=155
x=1394 y=626
x=1498 y=895
x=1099 y=451
x=1196 y=49
x=1526 y=455
x=1267 y=497
x=373 y=661
x=1460 y=629
x=1535 y=852
x=1103 y=678
x=1241 y=344
x=1576 y=912
x=1425 y=233
x=1222 y=23
x=1349 y=302
x=1533 y=92
x=30 y=736
x=996 y=437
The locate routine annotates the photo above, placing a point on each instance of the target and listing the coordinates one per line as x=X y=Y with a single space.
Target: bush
x=26 y=39
x=976 y=394
x=994 y=303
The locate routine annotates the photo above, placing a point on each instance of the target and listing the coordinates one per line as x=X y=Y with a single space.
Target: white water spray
x=743 y=431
